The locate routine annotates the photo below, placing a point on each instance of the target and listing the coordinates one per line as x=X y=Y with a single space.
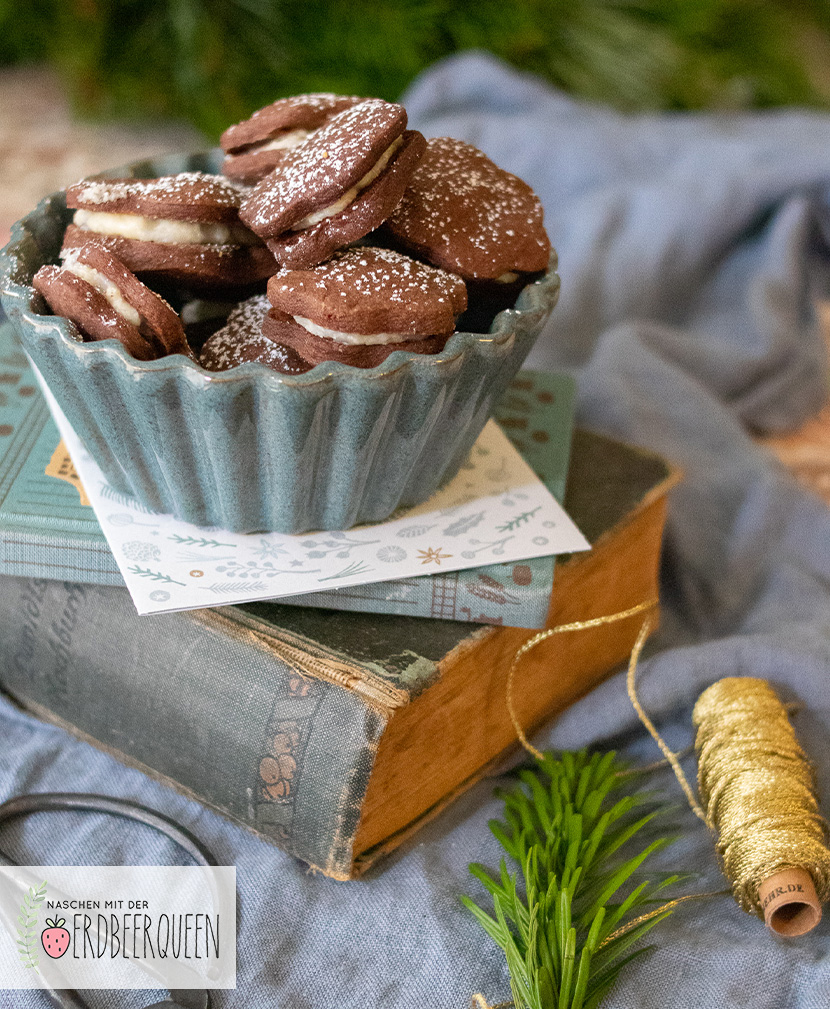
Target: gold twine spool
x=757 y=789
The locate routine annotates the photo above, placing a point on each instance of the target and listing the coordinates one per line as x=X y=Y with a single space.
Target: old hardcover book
x=334 y=734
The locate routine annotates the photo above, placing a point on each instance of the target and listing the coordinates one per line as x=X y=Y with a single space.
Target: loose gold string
x=656 y=765
x=668 y=906
x=671 y=757
x=578 y=625
x=673 y=761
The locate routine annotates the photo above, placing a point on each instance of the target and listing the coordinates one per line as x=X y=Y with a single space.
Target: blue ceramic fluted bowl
x=250 y=449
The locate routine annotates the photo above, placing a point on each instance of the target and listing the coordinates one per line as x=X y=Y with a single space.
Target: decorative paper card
x=496 y=509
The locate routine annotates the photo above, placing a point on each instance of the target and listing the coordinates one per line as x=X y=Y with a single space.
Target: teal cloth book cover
x=48 y=530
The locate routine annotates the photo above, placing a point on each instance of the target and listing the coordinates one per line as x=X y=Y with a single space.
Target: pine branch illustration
x=123 y=499
x=198 y=541
x=492 y=595
x=519 y=520
x=355 y=568
x=567 y=932
x=266 y=569
x=464 y=524
x=157 y=576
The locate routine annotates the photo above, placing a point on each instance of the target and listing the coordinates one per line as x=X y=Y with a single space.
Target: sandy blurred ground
x=807 y=451
x=42 y=149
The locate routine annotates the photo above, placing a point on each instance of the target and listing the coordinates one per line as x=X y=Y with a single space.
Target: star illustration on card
x=267 y=548
x=432 y=554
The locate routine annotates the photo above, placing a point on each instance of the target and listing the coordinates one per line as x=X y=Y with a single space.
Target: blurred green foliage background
x=214 y=61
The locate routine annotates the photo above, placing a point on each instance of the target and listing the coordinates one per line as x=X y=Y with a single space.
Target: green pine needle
x=215 y=62
x=574 y=920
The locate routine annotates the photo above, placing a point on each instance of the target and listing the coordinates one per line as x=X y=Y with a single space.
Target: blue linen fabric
x=691 y=248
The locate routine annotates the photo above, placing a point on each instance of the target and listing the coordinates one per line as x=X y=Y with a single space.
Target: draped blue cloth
x=693 y=249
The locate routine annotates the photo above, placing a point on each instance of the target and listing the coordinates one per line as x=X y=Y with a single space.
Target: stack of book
x=333 y=725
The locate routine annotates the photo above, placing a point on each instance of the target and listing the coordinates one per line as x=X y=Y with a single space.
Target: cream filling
x=353 y=339
x=507 y=278
x=104 y=286
x=281 y=142
x=152 y=229
x=350 y=195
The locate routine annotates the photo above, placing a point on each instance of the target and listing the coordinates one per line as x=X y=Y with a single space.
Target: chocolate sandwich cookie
x=335 y=187
x=241 y=340
x=256 y=146
x=362 y=305
x=281 y=328
x=463 y=213
x=183 y=228
x=105 y=300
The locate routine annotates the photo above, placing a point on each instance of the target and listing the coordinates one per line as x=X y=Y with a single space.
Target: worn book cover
x=333 y=734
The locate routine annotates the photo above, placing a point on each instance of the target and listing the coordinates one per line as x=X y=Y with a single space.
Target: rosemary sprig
x=568 y=931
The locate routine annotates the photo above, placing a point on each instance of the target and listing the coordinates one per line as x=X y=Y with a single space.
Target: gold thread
x=758 y=789
x=668 y=906
x=480 y=1002
x=578 y=625
x=756 y=786
x=674 y=763
x=656 y=765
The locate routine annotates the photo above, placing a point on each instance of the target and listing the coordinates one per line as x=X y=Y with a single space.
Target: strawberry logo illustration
x=55 y=939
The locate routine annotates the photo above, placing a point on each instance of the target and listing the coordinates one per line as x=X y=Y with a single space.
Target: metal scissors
x=48 y=802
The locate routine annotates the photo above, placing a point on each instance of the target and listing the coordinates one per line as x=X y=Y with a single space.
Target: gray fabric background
x=690 y=247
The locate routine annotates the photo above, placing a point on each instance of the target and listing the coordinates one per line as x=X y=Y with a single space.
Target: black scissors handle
x=61 y=802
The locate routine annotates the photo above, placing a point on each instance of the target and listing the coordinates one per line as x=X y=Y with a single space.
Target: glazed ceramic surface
x=251 y=449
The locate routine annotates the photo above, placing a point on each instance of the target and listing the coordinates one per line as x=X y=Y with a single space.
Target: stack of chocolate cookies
x=369 y=237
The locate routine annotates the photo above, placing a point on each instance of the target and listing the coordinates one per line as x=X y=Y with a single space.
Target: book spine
x=198 y=706
x=25 y=554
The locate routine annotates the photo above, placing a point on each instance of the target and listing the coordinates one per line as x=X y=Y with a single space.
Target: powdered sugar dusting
x=369 y=273
x=247 y=317
x=306 y=111
x=241 y=340
x=461 y=208
x=222 y=354
x=337 y=155
x=183 y=189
